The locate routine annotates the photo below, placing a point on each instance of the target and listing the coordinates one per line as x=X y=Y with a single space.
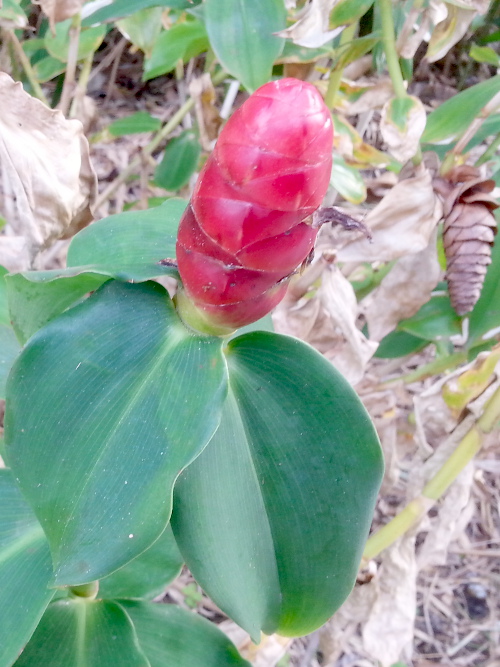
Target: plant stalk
x=414 y=512
x=153 y=144
x=428 y=370
x=26 y=65
x=389 y=42
x=70 y=76
x=335 y=77
x=489 y=152
x=81 y=87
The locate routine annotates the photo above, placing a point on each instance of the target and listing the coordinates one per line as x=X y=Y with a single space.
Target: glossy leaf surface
x=272 y=518
x=435 y=319
x=76 y=632
x=182 y=41
x=148 y=574
x=9 y=346
x=96 y=423
x=130 y=245
x=486 y=314
x=25 y=570
x=241 y=34
x=173 y=637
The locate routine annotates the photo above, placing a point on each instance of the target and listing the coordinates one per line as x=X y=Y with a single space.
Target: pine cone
x=469 y=233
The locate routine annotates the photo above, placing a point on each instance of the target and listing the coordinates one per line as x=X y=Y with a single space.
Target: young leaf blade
x=241 y=34
x=273 y=516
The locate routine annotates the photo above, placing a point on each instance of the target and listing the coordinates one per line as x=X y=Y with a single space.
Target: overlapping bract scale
x=245 y=229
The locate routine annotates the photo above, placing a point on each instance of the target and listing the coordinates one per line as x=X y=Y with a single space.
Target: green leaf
x=272 y=518
x=12 y=16
x=141 y=121
x=9 y=346
x=348 y=11
x=484 y=54
x=48 y=68
x=58 y=44
x=241 y=34
x=456 y=114
x=120 y=8
x=173 y=637
x=106 y=405
x=484 y=320
x=25 y=570
x=142 y=28
x=182 y=41
x=347 y=181
x=436 y=319
x=130 y=245
x=399 y=344
x=74 y=632
x=147 y=575
x=37 y=297
x=179 y=161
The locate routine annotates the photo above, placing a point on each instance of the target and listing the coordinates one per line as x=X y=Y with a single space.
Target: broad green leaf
x=4 y=304
x=106 y=405
x=37 y=297
x=484 y=321
x=272 y=518
x=436 y=319
x=142 y=28
x=399 y=344
x=130 y=245
x=293 y=53
x=25 y=570
x=356 y=49
x=348 y=11
x=241 y=34
x=147 y=575
x=484 y=54
x=173 y=637
x=141 y=121
x=179 y=161
x=182 y=41
x=121 y=8
x=58 y=44
x=48 y=68
x=347 y=181
x=87 y=633
x=456 y=114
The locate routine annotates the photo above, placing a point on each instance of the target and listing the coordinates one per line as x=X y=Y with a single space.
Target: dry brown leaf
x=266 y=654
x=402 y=291
x=207 y=114
x=403 y=141
x=327 y=321
x=47 y=180
x=59 y=10
x=14 y=254
x=311 y=29
x=451 y=30
x=367 y=96
x=401 y=224
x=388 y=632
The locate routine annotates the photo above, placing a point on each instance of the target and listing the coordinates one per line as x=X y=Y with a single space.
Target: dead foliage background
x=432 y=597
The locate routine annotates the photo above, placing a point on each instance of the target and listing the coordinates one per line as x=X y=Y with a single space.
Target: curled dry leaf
x=366 y=96
x=311 y=28
x=327 y=321
x=450 y=30
x=402 y=125
x=202 y=91
x=59 y=10
x=469 y=232
x=47 y=180
x=402 y=291
x=401 y=224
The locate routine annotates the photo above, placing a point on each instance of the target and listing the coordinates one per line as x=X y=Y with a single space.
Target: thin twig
x=70 y=76
x=25 y=62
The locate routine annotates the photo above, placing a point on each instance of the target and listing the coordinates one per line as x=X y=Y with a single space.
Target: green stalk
x=414 y=512
x=335 y=77
x=26 y=65
x=88 y=591
x=81 y=87
x=153 y=144
x=489 y=152
x=389 y=42
x=70 y=76
x=429 y=370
